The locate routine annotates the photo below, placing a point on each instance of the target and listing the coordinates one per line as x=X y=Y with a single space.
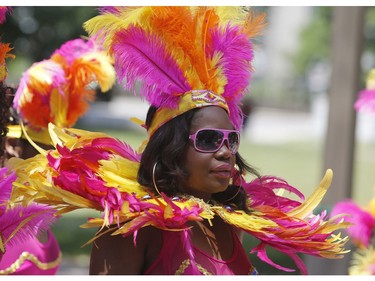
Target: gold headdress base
x=188 y=101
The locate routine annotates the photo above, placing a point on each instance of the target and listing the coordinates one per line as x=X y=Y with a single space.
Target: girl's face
x=208 y=172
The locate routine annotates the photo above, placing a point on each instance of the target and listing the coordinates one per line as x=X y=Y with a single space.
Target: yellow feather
x=168 y=212
x=59 y=107
x=371 y=207
x=217 y=76
x=252 y=222
x=54 y=133
x=2 y=248
x=307 y=207
x=113 y=23
x=101 y=68
x=255 y=24
x=236 y=15
x=121 y=173
x=71 y=137
x=37 y=147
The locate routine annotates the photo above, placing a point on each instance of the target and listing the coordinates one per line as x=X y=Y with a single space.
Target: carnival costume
x=186 y=58
x=362 y=218
x=54 y=90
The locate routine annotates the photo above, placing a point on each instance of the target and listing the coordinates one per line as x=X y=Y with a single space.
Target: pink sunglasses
x=211 y=140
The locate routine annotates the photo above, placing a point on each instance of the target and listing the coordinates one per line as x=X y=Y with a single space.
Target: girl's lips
x=222 y=168
x=221 y=173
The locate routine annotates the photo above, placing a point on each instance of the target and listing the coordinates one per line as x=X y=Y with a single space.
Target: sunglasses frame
x=226 y=133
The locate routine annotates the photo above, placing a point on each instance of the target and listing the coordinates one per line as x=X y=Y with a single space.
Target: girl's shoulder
x=135 y=251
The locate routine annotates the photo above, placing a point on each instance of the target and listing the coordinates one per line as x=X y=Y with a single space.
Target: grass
x=300 y=163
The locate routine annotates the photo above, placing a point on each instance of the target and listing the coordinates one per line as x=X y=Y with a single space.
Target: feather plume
x=366 y=97
x=4 y=10
x=6 y=180
x=362 y=222
x=112 y=19
x=312 y=202
x=297 y=229
x=262 y=191
x=21 y=223
x=365 y=101
x=254 y=24
x=60 y=88
x=38 y=84
x=140 y=56
x=18 y=223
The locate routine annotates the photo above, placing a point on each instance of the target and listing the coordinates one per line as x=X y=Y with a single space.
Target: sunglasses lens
x=209 y=140
x=234 y=141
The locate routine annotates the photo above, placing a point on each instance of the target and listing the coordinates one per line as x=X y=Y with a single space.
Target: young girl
x=178 y=166
x=180 y=204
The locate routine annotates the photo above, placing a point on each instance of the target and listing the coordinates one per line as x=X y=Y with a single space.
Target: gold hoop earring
x=238 y=191
x=153 y=177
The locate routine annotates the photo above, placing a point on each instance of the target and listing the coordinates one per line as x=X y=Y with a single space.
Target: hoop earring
x=153 y=177
x=238 y=191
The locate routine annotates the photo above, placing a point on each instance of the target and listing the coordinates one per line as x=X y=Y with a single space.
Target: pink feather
x=37 y=217
x=262 y=192
x=6 y=180
x=362 y=222
x=365 y=101
x=142 y=57
x=262 y=255
x=117 y=147
x=108 y=9
x=236 y=60
x=74 y=49
x=3 y=11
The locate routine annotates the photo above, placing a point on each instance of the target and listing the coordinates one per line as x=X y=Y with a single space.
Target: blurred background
x=310 y=63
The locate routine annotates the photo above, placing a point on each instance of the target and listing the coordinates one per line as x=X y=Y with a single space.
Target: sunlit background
x=288 y=104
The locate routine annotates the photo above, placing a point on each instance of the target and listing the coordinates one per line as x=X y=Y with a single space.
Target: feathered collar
x=95 y=171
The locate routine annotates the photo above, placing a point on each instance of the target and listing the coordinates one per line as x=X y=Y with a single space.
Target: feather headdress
x=176 y=50
x=58 y=90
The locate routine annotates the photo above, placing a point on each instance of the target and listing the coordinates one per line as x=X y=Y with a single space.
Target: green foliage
x=369 y=31
x=36 y=32
x=70 y=236
x=315 y=40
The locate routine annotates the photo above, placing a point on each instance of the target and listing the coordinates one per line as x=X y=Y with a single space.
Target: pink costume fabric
x=32 y=257
x=173 y=259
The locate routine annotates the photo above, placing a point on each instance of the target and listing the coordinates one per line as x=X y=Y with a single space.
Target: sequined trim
x=28 y=256
x=253 y=271
x=185 y=265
